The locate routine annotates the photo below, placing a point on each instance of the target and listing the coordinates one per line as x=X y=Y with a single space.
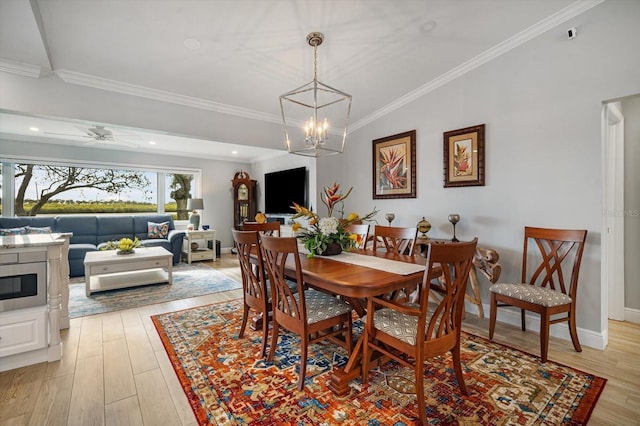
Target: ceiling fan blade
x=67 y=134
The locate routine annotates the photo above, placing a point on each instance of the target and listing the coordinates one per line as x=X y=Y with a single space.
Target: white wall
x=541 y=104
x=631 y=112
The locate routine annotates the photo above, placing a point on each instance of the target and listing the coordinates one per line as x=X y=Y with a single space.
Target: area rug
x=188 y=281
x=227 y=383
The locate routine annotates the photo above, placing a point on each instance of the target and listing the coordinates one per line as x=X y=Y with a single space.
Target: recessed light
x=234 y=152
x=191 y=44
x=152 y=142
x=34 y=129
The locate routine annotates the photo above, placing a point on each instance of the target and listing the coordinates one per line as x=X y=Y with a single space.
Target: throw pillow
x=158 y=230
x=36 y=230
x=13 y=231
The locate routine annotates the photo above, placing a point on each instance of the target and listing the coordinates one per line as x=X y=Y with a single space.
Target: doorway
x=621 y=215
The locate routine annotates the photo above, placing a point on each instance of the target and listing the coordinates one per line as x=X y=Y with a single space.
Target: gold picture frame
x=464 y=157
x=394 y=166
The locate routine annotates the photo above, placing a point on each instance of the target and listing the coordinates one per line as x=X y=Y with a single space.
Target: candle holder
x=454 y=218
x=390 y=217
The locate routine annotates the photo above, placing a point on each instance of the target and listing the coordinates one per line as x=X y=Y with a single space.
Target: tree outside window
x=181 y=191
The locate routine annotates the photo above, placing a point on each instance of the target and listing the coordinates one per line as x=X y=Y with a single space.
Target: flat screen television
x=284 y=187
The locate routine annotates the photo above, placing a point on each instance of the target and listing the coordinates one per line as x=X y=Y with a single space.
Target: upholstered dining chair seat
x=542 y=296
x=291 y=284
x=321 y=306
x=399 y=325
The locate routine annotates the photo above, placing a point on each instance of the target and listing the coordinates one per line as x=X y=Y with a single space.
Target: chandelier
x=315 y=115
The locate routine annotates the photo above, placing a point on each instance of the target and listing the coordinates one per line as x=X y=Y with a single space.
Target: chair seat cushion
x=321 y=306
x=293 y=286
x=401 y=326
x=542 y=296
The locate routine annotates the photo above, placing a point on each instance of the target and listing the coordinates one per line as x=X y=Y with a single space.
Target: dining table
x=357 y=275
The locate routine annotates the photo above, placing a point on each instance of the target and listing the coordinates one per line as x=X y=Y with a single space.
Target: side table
x=202 y=251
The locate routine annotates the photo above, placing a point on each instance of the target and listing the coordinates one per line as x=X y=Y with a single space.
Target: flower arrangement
x=124 y=245
x=323 y=235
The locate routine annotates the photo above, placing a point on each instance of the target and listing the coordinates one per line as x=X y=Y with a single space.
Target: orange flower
x=332 y=196
x=295 y=226
x=357 y=238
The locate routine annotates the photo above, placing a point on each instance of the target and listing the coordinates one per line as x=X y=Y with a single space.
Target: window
x=46 y=189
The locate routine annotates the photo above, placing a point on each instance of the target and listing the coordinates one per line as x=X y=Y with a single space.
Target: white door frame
x=613 y=215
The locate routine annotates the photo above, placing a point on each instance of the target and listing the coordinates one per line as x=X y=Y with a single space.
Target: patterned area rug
x=188 y=281
x=227 y=384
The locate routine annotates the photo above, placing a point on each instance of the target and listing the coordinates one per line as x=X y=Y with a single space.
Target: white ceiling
x=383 y=52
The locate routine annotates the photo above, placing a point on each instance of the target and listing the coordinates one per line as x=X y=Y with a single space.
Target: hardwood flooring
x=115 y=371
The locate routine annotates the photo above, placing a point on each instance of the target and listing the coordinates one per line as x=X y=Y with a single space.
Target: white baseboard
x=632 y=315
x=587 y=338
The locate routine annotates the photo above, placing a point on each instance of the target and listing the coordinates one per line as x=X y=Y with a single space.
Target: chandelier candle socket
x=315 y=115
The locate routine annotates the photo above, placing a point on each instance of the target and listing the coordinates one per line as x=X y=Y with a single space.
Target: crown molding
x=161 y=95
x=499 y=49
x=20 y=68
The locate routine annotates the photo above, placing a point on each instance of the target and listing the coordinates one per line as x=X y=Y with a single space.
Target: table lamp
x=195 y=204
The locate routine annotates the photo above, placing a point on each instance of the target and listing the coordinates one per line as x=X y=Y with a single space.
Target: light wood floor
x=115 y=371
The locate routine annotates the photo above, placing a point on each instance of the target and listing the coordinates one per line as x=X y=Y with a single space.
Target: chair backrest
x=253 y=276
x=265 y=228
x=362 y=233
x=558 y=254
x=441 y=320
x=395 y=239
x=288 y=311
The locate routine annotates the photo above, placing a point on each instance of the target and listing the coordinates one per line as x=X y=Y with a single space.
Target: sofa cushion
x=156 y=243
x=38 y=230
x=141 y=224
x=77 y=251
x=13 y=231
x=16 y=222
x=84 y=228
x=157 y=230
x=113 y=228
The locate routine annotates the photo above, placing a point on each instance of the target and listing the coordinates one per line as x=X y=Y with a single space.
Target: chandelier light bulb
x=316 y=133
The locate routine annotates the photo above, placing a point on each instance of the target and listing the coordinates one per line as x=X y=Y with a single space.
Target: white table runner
x=373 y=262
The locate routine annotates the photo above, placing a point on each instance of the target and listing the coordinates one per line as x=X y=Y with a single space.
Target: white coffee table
x=107 y=270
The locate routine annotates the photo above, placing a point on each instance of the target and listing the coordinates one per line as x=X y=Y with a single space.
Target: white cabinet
x=23 y=330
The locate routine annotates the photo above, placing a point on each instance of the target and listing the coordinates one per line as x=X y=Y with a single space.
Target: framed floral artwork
x=464 y=157
x=394 y=166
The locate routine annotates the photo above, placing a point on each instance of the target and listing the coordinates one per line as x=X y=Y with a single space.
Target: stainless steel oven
x=23 y=280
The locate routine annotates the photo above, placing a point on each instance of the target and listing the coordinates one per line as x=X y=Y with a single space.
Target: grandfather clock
x=244 y=199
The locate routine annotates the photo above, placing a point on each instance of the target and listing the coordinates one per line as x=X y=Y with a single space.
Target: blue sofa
x=89 y=232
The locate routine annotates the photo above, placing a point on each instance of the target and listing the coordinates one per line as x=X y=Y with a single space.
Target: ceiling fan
x=99 y=135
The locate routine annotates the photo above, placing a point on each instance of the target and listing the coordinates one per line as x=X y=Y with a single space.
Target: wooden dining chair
x=412 y=333
x=256 y=294
x=395 y=239
x=548 y=257
x=362 y=233
x=311 y=314
x=265 y=228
